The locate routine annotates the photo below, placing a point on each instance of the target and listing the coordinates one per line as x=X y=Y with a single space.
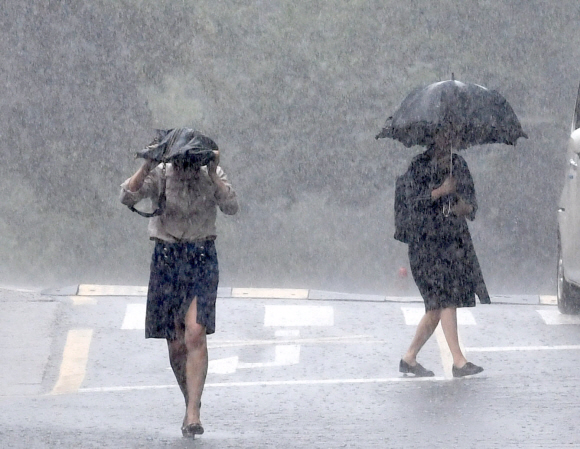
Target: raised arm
x=140 y=185
x=225 y=194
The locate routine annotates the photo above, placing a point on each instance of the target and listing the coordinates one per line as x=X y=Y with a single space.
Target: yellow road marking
x=548 y=300
x=74 y=361
x=273 y=293
x=111 y=290
x=83 y=300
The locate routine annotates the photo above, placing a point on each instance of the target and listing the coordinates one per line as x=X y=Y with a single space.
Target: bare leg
x=449 y=326
x=196 y=364
x=425 y=329
x=178 y=359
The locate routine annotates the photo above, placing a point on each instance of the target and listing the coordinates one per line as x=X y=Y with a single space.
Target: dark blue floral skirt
x=443 y=269
x=181 y=272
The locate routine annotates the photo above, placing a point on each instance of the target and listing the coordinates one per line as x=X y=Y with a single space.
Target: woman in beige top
x=184 y=268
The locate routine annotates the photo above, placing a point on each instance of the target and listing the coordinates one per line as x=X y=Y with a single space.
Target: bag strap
x=162 y=199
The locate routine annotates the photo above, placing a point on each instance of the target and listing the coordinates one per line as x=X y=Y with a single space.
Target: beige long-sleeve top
x=191 y=206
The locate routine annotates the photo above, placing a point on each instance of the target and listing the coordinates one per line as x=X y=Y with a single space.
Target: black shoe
x=191 y=430
x=467 y=370
x=417 y=370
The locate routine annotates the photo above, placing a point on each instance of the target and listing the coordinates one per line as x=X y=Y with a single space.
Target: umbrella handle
x=447 y=209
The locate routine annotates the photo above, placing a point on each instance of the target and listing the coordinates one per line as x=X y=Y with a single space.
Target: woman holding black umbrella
x=440 y=251
x=182 y=177
x=438 y=198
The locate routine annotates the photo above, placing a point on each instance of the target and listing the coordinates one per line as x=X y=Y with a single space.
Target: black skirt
x=181 y=272
x=443 y=271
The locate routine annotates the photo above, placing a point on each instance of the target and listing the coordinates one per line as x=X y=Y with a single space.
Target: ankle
x=459 y=363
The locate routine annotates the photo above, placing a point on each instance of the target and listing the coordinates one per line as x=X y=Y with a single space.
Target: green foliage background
x=293 y=92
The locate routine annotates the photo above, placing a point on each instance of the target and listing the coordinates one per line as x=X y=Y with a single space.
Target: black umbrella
x=474 y=114
x=172 y=145
x=183 y=144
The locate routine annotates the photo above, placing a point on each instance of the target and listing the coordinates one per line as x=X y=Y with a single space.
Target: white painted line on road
x=284 y=333
x=465 y=317
x=295 y=316
x=74 y=361
x=445 y=353
x=286 y=355
x=111 y=290
x=134 y=317
x=270 y=293
x=226 y=365
x=325 y=381
x=414 y=314
x=268 y=383
x=523 y=348
x=358 y=339
x=554 y=317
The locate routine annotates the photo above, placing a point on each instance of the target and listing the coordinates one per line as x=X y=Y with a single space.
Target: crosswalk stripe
x=293 y=315
x=134 y=317
x=554 y=317
x=414 y=314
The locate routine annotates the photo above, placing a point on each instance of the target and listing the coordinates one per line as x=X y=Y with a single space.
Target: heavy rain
x=293 y=93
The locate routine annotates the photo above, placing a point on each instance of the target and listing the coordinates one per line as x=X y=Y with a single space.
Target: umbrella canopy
x=180 y=144
x=474 y=114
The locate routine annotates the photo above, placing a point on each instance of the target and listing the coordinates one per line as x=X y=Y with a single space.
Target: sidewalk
x=25 y=340
x=283 y=293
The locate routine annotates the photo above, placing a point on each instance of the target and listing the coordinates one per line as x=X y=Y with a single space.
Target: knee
x=433 y=316
x=195 y=337
x=177 y=347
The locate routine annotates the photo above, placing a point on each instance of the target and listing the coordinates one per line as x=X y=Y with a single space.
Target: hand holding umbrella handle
x=448 y=187
x=213 y=164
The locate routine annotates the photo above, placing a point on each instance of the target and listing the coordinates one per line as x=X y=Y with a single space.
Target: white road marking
x=554 y=317
x=465 y=317
x=296 y=316
x=358 y=339
x=270 y=293
x=446 y=357
x=523 y=348
x=271 y=383
x=134 y=317
x=414 y=314
x=226 y=365
x=74 y=361
x=285 y=355
x=281 y=333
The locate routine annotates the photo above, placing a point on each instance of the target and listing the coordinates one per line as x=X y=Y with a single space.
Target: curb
x=282 y=293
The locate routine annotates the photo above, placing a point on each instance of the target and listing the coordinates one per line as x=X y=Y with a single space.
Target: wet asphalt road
x=305 y=374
